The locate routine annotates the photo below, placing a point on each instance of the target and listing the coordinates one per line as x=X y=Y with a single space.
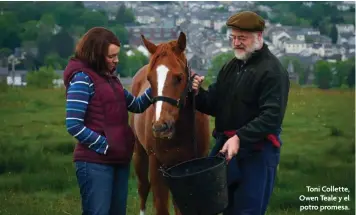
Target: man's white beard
x=246 y=54
x=243 y=55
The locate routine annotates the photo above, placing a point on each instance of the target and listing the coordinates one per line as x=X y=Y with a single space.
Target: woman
x=97 y=116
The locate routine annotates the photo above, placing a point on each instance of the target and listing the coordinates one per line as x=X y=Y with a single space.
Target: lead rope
x=190 y=79
x=193 y=105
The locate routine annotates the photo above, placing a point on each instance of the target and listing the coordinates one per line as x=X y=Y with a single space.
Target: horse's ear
x=150 y=46
x=181 y=43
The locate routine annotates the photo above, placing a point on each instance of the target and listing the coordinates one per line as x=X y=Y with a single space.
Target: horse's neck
x=187 y=118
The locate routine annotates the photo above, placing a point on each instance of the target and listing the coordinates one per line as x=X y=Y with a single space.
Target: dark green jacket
x=250 y=97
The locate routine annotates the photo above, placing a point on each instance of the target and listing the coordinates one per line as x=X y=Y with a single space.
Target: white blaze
x=142 y=212
x=162 y=72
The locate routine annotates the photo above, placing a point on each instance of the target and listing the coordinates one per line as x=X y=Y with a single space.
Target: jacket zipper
x=239 y=74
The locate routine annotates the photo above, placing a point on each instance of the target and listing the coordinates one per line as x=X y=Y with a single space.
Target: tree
x=92 y=19
x=298 y=67
x=9 y=36
x=223 y=29
x=44 y=46
x=342 y=69
x=133 y=63
x=263 y=14
x=67 y=18
x=351 y=77
x=29 y=31
x=63 y=44
x=76 y=31
x=31 y=62
x=54 y=61
x=4 y=53
x=323 y=75
x=121 y=33
x=124 y=16
x=46 y=25
x=122 y=66
x=333 y=34
x=137 y=61
x=26 y=11
x=42 y=78
x=304 y=22
x=43 y=28
x=218 y=62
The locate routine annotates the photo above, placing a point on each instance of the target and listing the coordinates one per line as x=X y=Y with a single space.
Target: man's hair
x=256 y=43
x=93 y=47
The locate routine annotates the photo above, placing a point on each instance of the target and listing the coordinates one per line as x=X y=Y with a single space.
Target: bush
x=3 y=85
x=42 y=78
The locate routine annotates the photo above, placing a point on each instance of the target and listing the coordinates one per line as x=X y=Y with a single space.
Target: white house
x=318 y=49
x=294 y=46
x=345 y=28
x=18 y=78
x=180 y=20
x=146 y=16
x=276 y=36
x=202 y=19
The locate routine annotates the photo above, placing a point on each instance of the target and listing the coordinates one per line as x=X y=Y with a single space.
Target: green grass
x=37 y=175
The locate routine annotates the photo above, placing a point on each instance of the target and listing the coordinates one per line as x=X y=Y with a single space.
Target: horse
x=164 y=132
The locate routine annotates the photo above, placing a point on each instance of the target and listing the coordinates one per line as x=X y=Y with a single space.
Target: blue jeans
x=251 y=176
x=103 y=188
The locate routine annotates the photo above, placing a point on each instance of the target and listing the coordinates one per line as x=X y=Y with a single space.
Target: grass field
x=37 y=174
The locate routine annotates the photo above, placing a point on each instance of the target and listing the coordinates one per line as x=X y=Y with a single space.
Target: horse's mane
x=167 y=49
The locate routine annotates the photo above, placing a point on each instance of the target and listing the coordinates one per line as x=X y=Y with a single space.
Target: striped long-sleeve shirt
x=79 y=93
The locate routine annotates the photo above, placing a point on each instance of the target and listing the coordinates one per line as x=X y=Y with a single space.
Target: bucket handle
x=164 y=172
x=221 y=155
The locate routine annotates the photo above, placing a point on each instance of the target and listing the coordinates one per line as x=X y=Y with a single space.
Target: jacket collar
x=259 y=52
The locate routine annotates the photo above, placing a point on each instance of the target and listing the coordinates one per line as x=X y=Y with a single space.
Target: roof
x=294 y=42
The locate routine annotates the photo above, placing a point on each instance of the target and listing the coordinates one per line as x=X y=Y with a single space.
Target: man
x=248 y=101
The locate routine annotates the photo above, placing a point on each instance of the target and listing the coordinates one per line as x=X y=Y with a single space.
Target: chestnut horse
x=164 y=132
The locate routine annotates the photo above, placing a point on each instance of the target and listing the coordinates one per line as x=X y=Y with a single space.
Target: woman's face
x=112 y=58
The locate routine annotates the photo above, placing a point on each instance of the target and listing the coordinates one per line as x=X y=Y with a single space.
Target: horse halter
x=179 y=103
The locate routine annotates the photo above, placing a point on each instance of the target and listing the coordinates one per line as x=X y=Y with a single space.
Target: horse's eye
x=177 y=79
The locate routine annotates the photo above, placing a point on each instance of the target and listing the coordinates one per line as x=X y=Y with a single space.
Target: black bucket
x=199 y=186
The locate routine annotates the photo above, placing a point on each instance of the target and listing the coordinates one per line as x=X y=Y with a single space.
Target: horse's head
x=169 y=78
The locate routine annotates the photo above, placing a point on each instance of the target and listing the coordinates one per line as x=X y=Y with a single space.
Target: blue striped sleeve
x=138 y=104
x=79 y=92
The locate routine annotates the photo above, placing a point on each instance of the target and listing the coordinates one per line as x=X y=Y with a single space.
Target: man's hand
x=197 y=81
x=231 y=147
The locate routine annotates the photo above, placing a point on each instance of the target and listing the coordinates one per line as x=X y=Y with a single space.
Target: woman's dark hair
x=93 y=47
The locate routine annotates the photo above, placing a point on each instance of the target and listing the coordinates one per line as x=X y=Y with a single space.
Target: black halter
x=179 y=103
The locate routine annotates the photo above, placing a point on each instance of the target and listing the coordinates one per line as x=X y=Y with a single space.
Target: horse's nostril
x=160 y=127
x=165 y=126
